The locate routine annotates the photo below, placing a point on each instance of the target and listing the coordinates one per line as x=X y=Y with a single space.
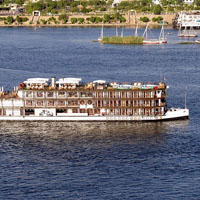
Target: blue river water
x=62 y=160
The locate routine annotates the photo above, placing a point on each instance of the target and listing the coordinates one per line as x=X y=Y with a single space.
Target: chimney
x=53 y=81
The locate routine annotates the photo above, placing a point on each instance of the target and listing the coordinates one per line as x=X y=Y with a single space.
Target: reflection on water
x=69 y=160
x=101 y=133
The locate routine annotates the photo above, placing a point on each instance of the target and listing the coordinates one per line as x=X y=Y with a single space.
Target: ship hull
x=174 y=114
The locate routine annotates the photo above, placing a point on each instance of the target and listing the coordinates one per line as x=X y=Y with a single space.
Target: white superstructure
x=189 y=19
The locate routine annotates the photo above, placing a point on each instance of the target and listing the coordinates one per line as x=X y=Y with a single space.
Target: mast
x=179 y=30
x=145 y=32
x=136 y=30
x=186 y=97
x=102 y=31
x=102 y=27
x=122 y=33
x=162 y=33
x=116 y=31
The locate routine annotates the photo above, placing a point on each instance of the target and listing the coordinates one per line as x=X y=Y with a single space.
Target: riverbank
x=53 y=21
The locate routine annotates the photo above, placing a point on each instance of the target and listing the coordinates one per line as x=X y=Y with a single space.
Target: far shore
x=84 y=25
x=131 y=21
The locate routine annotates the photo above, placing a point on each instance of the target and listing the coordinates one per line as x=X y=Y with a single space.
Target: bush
x=98 y=19
x=64 y=18
x=158 y=19
x=122 y=20
x=154 y=19
x=103 y=9
x=85 y=10
x=10 y=19
x=81 y=20
x=75 y=10
x=144 y=19
x=171 y=9
x=73 y=20
x=43 y=21
x=2 y=18
x=20 y=20
x=93 y=19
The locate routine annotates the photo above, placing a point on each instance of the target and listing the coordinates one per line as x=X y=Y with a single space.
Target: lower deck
x=171 y=114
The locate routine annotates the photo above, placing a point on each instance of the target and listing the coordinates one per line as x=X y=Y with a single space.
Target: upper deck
x=75 y=84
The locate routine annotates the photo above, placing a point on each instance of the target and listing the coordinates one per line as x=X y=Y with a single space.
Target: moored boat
x=161 y=40
x=68 y=99
x=198 y=41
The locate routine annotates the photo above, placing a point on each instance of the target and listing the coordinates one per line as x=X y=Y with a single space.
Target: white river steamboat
x=68 y=99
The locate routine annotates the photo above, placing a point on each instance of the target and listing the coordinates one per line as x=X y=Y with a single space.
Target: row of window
x=110 y=94
x=104 y=103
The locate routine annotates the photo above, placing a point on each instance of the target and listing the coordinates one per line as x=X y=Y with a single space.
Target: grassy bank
x=122 y=40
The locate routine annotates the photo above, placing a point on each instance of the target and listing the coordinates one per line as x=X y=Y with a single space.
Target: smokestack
x=53 y=81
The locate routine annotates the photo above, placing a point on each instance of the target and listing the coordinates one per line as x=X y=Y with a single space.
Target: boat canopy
x=69 y=81
x=36 y=81
x=100 y=81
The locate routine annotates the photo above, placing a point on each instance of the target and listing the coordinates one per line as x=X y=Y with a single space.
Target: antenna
x=186 y=97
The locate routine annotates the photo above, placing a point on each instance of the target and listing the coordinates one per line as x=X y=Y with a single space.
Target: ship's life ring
x=82 y=102
x=89 y=102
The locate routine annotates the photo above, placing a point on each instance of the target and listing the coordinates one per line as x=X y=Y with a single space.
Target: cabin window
x=123 y=103
x=40 y=94
x=29 y=103
x=90 y=94
x=29 y=94
x=61 y=94
x=29 y=112
x=61 y=111
x=82 y=110
x=83 y=94
x=39 y=103
x=73 y=94
x=61 y=103
x=74 y=110
x=49 y=94
x=50 y=103
x=72 y=103
x=90 y=102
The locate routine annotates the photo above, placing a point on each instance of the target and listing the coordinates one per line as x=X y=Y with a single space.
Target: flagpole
x=186 y=97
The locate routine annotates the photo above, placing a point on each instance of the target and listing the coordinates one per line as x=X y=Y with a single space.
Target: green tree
x=73 y=20
x=197 y=2
x=43 y=21
x=122 y=20
x=157 y=10
x=93 y=19
x=106 y=18
x=144 y=19
x=81 y=20
x=10 y=19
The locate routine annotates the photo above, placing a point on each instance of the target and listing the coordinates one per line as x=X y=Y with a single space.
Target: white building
x=189 y=2
x=156 y=2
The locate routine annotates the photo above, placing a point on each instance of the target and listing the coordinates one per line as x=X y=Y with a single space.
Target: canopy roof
x=36 y=81
x=69 y=81
x=100 y=81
